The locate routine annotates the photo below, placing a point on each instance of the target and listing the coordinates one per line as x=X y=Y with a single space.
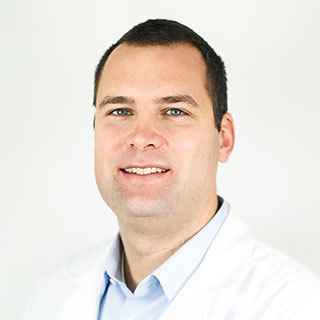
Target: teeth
x=144 y=171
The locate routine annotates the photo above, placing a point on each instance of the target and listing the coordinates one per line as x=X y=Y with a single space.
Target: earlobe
x=227 y=137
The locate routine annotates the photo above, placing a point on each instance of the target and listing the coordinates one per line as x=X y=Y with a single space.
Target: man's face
x=153 y=110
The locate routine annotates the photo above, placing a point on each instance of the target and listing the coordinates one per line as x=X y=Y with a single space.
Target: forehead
x=153 y=68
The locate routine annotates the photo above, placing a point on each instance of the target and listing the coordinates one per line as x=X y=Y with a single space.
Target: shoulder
x=54 y=288
x=277 y=261
x=76 y=266
x=288 y=285
x=258 y=278
x=283 y=269
x=264 y=258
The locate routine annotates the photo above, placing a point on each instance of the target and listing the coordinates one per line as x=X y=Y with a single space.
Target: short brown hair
x=166 y=32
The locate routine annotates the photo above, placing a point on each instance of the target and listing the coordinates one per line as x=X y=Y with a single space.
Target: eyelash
x=117 y=115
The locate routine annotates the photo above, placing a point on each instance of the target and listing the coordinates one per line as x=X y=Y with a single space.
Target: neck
x=149 y=241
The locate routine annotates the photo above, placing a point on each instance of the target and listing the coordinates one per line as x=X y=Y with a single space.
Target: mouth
x=145 y=176
x=144 y=171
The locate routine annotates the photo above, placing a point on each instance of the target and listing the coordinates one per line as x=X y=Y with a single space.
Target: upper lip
x=145 y=165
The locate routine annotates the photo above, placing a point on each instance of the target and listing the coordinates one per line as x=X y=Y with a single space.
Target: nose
x=143 y=137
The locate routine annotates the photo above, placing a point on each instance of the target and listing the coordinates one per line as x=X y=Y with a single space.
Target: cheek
x=197 y=151
x=193 y=142
x=107 y=138
x=107 y=143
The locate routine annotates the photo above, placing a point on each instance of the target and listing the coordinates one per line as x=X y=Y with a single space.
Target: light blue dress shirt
x=155 y=293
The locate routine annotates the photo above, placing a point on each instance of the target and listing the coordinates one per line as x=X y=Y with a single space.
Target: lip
x=148 y=178
x=145 y=165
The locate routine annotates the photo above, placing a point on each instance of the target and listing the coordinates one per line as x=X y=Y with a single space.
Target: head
x=161 y=32
x=157 y=93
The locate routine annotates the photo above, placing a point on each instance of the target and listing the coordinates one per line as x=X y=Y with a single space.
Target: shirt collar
x=177 y=270
x=114 y=259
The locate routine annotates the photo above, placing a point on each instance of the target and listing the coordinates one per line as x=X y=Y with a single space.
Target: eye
x=175 y=112
x=119 y=112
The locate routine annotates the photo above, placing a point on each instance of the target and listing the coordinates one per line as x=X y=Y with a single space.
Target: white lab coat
x=239 y=279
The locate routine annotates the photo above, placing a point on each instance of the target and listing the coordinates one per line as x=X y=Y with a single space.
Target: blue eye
x=176 y=112
x=119 y=112
x=124 y=112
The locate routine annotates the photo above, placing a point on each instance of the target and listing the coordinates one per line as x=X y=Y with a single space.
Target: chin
x=142 y=209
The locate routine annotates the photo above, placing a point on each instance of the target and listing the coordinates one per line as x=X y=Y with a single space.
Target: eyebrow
x=115 y=100
x=185 y=98
x=180 y=98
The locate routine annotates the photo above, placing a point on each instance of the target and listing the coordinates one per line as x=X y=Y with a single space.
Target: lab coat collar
x=87 y=283
x=177 y=270
x=226 y=259
x=224 y=262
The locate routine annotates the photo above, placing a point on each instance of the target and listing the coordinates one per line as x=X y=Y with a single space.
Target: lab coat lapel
x=88 y=284
x=225 y=260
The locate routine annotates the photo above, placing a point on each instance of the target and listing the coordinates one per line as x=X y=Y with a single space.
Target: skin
x=157 y=216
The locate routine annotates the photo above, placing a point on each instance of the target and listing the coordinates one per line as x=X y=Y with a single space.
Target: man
x=161 y=126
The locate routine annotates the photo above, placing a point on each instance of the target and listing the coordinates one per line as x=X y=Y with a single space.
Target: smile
x=144 y=171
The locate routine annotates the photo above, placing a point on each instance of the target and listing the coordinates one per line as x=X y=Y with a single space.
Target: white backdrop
x=50 y=206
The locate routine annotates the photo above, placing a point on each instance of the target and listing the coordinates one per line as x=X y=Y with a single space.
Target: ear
x=226 y=137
